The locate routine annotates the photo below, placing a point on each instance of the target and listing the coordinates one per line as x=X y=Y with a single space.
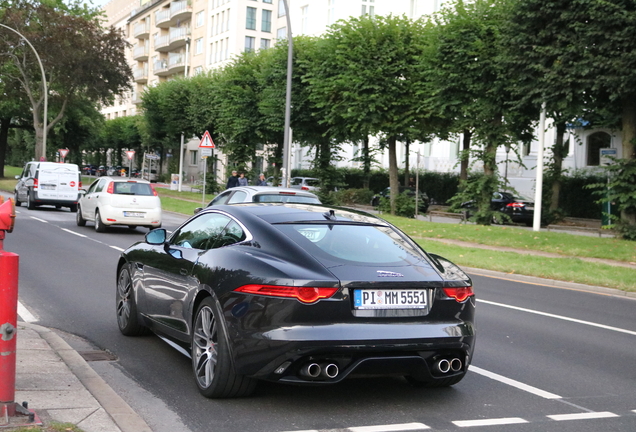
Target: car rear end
x=520 y=209
x=57 y=184
x=379 y=306
x=132 y=203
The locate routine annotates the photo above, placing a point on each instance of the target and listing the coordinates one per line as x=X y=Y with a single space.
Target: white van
x=48 y=183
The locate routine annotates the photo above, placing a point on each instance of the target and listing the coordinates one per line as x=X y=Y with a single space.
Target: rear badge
x=382 y=273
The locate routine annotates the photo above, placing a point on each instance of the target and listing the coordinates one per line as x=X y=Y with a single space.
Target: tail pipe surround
x=445 y=365
x=319 y=371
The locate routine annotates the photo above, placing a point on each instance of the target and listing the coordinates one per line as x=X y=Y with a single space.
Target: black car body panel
x=275 y=338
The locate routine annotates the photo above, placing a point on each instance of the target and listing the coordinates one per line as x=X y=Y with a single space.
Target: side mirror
x=17 y=177
x=156 y=236
x=197 y=210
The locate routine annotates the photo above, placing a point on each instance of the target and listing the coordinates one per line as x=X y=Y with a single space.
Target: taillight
x=80 y=184
x=35 y=183
x=111 y=188
x=302 y=294
x=459 y=293
x=516 y=205
x=154 y=191
x=304 y=188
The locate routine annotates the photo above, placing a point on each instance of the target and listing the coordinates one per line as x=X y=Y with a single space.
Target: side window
x=238 y=197
x=222 y=198
x=100 y=186
x=93 y=186
x=233 y=234
x=200 y=233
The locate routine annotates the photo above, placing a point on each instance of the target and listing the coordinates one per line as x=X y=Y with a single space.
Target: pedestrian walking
x=233 y=181
x=242 y=181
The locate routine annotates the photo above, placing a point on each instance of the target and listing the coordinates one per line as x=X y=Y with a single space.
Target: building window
x=194 y=159
x=198 y=70
x=267 y=1
x=331 y=12
x=595 y=143
x=265 y=43
x=198 y=46
x=200 y=19
x=250 y=19
x=304 y=17
x=281 y=33
x=250 y=43
x=368 y=8
x=281 y=8
x=266 y=21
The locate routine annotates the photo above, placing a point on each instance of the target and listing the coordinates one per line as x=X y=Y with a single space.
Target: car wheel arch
x=204 y=292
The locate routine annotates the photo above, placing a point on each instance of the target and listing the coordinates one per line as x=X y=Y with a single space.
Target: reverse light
x=459 y=293
x=303 y=294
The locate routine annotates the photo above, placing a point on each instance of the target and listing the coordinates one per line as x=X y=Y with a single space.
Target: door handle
x=183 y=271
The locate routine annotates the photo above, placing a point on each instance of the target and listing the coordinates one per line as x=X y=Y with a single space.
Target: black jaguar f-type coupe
x=298 y=294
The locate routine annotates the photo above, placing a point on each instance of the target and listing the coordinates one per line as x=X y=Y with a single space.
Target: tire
x=211 y=362
x=30 y=203
x=446 y=382
x=16 y=200
x=127 y=315
x=73 y=208
x=79 y=219
x=99 y=225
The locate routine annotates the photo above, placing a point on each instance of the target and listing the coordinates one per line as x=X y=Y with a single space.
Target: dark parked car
x=300 y=294
x=422 y=200
x=517 y=207
x=89 y=170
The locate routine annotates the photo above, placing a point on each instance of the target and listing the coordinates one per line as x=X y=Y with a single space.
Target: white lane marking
x=38 y=219
x=514 y=383
x=73 y=232
x=489 y=422
x=117 y=248
x=582 y=416
x=389 y=428
x=25 y=314
x=574 y=320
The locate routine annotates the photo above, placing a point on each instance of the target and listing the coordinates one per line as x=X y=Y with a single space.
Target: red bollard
x=9 y=264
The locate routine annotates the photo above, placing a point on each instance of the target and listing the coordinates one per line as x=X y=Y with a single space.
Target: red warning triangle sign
x=206 y=141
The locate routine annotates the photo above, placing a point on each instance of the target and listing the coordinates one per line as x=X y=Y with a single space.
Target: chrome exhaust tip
x=329 y=370
x=456 y=365
x=310 y=370
x=442 y=366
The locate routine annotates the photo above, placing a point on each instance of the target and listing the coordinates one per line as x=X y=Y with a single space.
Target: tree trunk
x=5 y=123
x=629 y=128
x=558 y=153
x=393 y=173
x=464 y=156
x=366 y=167
x=407 y=146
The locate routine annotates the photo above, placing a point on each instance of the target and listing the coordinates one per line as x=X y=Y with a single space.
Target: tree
x=468 y=85
x=369 y=78
x=79 y=57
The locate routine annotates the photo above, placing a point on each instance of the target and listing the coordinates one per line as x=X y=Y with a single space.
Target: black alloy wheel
x=211 y=361
x=127 y=316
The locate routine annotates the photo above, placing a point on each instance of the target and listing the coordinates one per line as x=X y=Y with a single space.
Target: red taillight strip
x=111 y=187
x=302 y=294
x=459 y=293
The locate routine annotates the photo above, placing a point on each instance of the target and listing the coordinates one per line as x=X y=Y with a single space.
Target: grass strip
x=563 y=269
x=561 y=243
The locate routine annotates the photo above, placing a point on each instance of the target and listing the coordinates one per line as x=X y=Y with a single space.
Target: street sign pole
x=205 y=164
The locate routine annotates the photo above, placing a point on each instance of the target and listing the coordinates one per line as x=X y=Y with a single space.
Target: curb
x=549 y=282
x=122 y=414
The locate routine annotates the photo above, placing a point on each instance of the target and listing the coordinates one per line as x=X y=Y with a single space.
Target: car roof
x=125 y=179
x=288 y=212
x=273 y=190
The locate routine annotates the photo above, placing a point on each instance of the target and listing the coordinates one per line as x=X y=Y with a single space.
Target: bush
x=353 y=196
x=404 y=205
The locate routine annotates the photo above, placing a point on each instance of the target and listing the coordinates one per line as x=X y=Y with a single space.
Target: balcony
x=141 y=30
x=162 y=43
x=161 y=68
x=162 y=18
x=176 y=63
x=180 y=11
x=136 y=98
x=178 y=37
x=140 y=53
x=141 y=74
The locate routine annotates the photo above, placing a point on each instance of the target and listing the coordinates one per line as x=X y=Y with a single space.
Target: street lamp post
x=185 y=74
x=44 y=121
x=286 y=138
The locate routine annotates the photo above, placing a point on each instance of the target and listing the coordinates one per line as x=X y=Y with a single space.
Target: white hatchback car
x=120 y=201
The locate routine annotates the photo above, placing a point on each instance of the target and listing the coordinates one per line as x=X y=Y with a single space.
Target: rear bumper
x=116 y=216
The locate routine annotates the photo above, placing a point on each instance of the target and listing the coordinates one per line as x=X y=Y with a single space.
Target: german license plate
x=390 y=299
x=47 y=187
x=134 y=214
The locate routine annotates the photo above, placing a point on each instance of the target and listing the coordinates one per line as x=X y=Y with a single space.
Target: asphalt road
x=547 y=359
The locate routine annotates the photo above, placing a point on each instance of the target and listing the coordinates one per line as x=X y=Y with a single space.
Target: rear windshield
x=312 y=182
x=364 y=244
x=133 y=188
x=280 y=198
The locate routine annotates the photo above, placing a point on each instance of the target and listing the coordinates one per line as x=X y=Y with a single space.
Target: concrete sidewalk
x=60 y=386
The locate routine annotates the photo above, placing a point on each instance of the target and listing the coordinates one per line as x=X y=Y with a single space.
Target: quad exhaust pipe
x=319 y=371
x=445 y=366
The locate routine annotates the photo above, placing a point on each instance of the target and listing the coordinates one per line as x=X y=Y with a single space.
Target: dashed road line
x=489 y=422
x=390 y=428
x=583 y=416
x=117 y=248
x=38 y=219
x=25 y=314
x=574 y=320
x=517 y=384
x=73 y=232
